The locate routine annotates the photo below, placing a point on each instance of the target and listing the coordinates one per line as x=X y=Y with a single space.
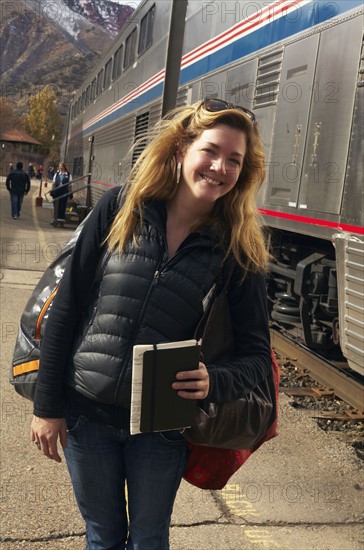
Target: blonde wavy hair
x=234 y=218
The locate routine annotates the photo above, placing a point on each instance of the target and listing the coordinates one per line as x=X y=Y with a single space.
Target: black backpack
x=25 y=363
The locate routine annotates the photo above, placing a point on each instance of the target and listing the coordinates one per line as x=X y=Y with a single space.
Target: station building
x=16 y=145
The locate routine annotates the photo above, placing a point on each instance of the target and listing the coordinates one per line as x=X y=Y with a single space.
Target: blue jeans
x=104 y=462
x=16 y=202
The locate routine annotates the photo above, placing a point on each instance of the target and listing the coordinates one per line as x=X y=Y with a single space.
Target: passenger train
x=298 y=65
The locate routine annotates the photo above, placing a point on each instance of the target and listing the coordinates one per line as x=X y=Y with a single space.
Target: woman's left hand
x=193 y=384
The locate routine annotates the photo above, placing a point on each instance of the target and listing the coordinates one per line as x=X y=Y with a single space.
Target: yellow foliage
x=44 y=122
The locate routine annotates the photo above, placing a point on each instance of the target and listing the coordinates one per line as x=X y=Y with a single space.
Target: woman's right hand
x=45 y=432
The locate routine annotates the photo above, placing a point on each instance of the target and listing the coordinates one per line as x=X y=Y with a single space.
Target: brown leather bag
x=238 y=424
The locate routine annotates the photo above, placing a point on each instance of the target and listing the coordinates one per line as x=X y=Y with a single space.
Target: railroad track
x=333 y=375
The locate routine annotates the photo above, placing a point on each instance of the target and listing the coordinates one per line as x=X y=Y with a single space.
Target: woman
x=61 y=187
x=189 y=204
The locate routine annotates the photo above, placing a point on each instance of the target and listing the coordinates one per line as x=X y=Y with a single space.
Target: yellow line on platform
x=240 y=506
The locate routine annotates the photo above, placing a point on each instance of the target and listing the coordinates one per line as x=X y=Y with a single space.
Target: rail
x=87 y=186
x=345 y=386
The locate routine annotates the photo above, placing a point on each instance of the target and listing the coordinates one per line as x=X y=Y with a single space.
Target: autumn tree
x=44 y=122
x=8 y=118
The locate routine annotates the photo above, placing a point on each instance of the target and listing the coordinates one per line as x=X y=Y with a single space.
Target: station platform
x=303 y=490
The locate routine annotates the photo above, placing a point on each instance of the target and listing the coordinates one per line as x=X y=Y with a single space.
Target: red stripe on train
x=232 y=34
x=313 y=221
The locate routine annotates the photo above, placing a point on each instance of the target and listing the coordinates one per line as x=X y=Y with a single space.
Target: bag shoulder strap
x=220 y=287
x=225 y=275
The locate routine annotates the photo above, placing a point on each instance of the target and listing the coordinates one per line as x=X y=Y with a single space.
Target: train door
x=293 y=107
x=329 y=128
x=352 y=206
x=240 y=84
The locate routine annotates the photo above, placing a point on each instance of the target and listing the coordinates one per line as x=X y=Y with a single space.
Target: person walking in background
x=189 y=205
x=31 y=172
x=11 y=167
x=40 y=172
x=51 y=172
x=18 y=185
x=61 y=187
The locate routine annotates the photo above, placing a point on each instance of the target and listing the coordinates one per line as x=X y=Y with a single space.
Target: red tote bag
x=211 y=468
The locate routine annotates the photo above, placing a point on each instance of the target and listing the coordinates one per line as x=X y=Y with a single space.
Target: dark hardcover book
x=161 y=406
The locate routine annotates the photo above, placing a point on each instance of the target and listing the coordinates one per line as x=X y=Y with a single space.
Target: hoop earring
x=178 y=172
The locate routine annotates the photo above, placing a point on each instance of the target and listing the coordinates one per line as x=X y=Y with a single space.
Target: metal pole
x=39 y=199
x=90 y=160
x=174 y=55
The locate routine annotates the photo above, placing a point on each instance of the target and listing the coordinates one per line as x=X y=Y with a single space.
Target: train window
x=130 y=44
x=146 y=31
x=99 y=83
x=118 y=63
x=88 y=94
x=93 y=90
x=77 y=166
x=107 y=76
x=83 y=101
x=141 y=128
x=72 y=112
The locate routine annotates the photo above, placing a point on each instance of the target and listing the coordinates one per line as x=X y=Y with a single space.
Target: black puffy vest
x=143 y=298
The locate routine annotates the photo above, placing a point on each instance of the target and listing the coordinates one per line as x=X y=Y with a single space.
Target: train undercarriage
x=303 y=292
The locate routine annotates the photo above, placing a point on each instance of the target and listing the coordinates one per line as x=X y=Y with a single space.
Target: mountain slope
x=54 y=43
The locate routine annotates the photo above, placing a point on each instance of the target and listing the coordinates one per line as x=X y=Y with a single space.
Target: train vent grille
x=140 y=140
x=268 y=79
x=182 y=97
x=155 y=114
x=361 y=67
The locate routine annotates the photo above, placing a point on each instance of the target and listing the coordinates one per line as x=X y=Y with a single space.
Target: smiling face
x=212 y=164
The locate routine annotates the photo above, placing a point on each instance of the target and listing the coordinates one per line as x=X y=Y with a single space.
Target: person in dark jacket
x=61 y=187
x=30 y=170
x=18 y=185
x=188 y=205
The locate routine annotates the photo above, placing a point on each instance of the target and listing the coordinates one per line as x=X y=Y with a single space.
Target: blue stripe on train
x=299 y=20
x=134 y=104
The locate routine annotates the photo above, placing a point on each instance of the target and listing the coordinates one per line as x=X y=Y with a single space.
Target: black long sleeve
x=252 y=362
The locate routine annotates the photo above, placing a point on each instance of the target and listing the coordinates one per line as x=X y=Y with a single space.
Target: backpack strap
x=106 y=252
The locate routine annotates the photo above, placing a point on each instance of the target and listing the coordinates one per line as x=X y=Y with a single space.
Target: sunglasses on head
x=215 y=105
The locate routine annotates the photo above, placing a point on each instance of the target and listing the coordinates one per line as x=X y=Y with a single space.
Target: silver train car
x=299 y=66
